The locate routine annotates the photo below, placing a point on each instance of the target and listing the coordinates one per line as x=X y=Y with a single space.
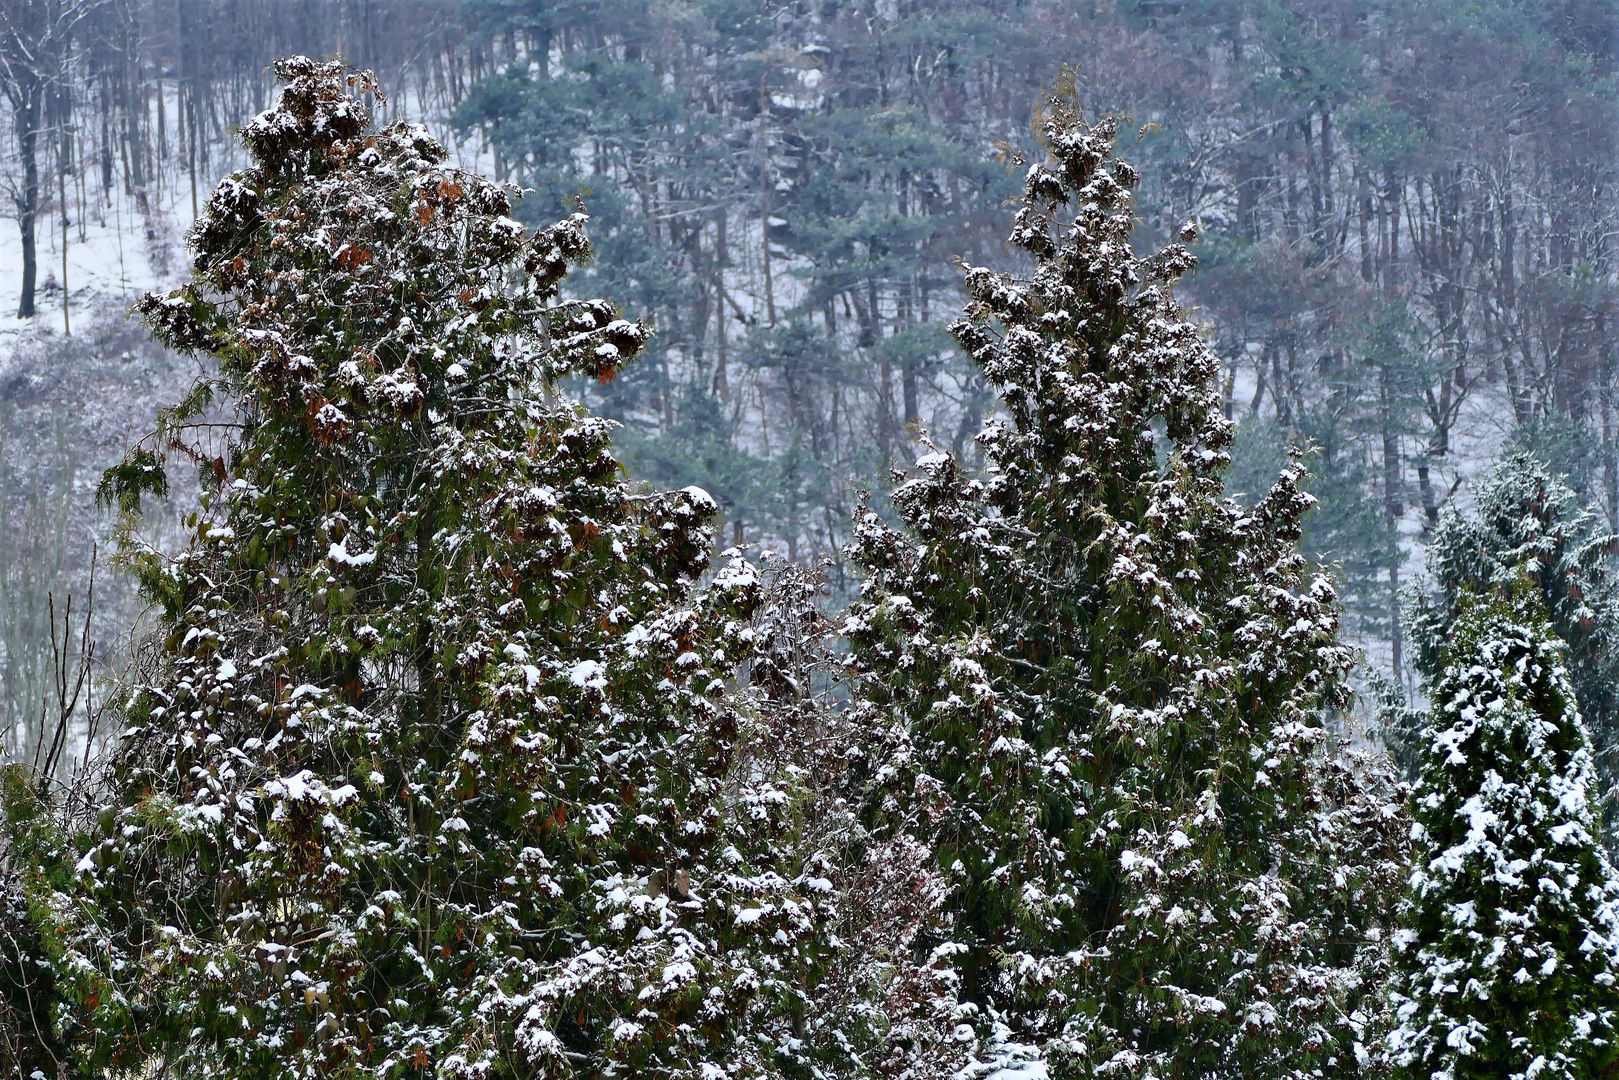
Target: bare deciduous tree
x=36 y=51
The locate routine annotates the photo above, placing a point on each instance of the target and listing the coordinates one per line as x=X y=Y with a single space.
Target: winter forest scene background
x=830 y=539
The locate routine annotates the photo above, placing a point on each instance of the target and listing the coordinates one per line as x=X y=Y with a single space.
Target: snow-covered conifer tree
x=428 y=766
x=1509 y=942
x=1526 y=520
x=1099 y=688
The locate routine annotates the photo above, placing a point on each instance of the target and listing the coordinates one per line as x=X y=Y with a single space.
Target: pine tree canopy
x=1100 y=688
x=1510 y=938
x=428 y=769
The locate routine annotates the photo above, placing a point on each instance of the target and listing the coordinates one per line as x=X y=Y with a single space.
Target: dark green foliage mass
x=453 y=752
x=30 y=1043
x=1098 y=689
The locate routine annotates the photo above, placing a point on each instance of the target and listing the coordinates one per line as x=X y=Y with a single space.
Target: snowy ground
x=114 y=252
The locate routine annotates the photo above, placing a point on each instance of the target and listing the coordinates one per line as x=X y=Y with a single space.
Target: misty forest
x=822 y=540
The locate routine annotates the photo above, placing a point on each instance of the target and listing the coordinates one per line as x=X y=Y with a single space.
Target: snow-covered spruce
x=1509 y=943
x=429 y=766
x=1525 y=519
x=1097 y=689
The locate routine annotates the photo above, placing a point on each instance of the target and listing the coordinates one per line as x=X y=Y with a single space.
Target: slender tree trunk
x=134 y=107
x=1393 y=504
x=188 y=112
x=1335 y=236
x=722 y=387
x=1314 y=176
x=1393 y=510
x=697 y=336
x=885 y=410
x=1397 y=642
x=1394 y=201
x=1516 y=390
x=162 y=123
x=1261 y=381
x=1368 y=270
x=910 y=377
x=543 y=52
x=61 y=183
x=1425 y=485
x=1282 y=393
x=27 y=120
x=765 y=201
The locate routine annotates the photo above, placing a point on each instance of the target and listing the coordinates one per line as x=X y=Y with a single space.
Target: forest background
x=1408 y=221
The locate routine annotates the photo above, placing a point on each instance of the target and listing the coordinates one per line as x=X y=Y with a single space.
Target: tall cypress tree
x=428 y=766
x=1100 y=688
x=1510 y=939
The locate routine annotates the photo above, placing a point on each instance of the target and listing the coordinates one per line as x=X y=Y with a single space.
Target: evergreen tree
x=1098 y=688
x=428 y=769
x=1525 y=520
x=1343 y=531
x=1510 y=940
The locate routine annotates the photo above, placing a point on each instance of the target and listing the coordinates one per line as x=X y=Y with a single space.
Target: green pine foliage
x=430 y=767
x=1526 y=520
x=706 y=156
x=1097 y=688
x=1510 y=939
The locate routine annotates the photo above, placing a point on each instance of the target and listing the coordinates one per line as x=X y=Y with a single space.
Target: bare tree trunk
x=134 y=98
x=1334 y=237
x=910 y=377
x=722 y=387
x=765 y=201
x=1368 y=271
x=27 y=120
x=61 y=183
x=1430 y=494
x=1393 y=510
x=1261 y=380
x=1397 y=644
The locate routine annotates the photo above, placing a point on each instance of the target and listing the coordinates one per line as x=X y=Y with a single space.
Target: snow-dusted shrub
x=428 y=769
x=1096 y=688
x=1509 y=943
